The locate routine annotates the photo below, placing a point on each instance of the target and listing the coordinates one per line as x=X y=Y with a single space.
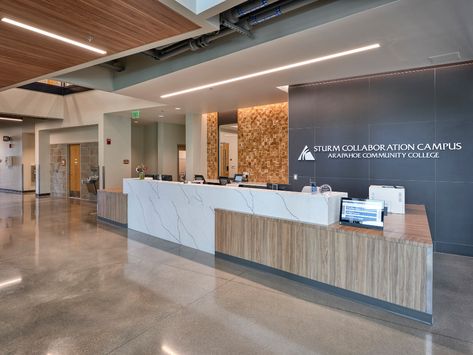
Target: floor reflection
x=70 y=285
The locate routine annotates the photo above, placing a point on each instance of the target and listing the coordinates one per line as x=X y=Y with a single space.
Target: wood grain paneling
x=263 y=142
x=391 y=270
x=212 y=145
x=74 y=170
x=114 y=25
x=112 y=204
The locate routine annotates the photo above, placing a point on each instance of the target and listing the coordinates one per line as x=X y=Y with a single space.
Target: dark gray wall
x=432 y=105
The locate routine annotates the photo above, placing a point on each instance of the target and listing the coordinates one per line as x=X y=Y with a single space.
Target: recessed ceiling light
x=11 y=119
x=284 y=88
x=178 y=108
x=52 y=35
x=274 y=70
x=161 y=116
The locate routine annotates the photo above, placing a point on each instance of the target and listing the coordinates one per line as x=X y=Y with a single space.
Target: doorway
x=74 y=170
x=224 y=159
x=181 y=162
x=228 y=150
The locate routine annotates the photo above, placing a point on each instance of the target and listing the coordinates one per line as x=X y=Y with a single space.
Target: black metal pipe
x=245 y=18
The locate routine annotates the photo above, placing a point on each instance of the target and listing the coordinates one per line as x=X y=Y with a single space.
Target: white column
x=196 y=145
x=42 y=162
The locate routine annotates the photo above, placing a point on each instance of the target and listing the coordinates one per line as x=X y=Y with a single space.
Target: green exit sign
x=135 y=115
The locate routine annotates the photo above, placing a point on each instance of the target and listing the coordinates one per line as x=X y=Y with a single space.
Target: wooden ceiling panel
x=114 y=26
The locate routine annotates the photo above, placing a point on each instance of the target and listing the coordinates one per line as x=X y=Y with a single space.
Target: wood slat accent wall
x=391 y=271
x=212 y=145
x=112 y=205
x=263 y=142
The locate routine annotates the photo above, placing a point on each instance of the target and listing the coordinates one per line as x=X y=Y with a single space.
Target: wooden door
x=74 y=170
x=224 y=159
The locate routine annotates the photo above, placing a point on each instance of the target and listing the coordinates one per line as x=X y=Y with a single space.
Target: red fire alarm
x=109 y=140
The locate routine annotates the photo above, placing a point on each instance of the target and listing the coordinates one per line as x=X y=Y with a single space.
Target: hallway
x=70 y=285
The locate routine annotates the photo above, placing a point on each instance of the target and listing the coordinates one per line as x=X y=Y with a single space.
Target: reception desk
x=296 y=234
x=390 y=268
x=185 y=213
x=112 y=206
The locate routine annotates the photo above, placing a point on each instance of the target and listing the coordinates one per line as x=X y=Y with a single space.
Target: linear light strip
x=274 y=70
x=52 y=35
x=11 y=119
x=10 y=282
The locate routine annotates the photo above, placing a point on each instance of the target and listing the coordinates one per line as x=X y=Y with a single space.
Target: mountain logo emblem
x=306 y=154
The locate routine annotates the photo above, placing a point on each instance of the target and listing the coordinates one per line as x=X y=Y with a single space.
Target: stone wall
x=59 y=155
x=263 y=143
x=58 y=169
x=212 y=146
x=89 y=165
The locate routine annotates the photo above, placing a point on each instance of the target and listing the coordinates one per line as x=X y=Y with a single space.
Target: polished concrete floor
x=70 y=285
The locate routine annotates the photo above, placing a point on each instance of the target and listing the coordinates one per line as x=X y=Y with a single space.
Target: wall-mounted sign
x=109 y=141
x=135 y=115
x=126 y=161
x=381 y=151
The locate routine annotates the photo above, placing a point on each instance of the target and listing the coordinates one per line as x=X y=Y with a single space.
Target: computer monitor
x=238 y=178
x=361 y=212
x=281 y=187
x=223 y=180
x=198 y=177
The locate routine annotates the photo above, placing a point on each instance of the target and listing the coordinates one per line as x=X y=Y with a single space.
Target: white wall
x=28 y=160
x=232 y=140
x=84 y=134
x=31 y=103
x=86 y=108
x=196 y=145
x=137 y=148
x=144 y=147
x=43 y=175
x=10 y=176
x=150 y=149
x=169 y=136
x=119 y=131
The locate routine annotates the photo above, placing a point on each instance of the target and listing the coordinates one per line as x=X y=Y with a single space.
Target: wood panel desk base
x=112 y=206
x=391 y=269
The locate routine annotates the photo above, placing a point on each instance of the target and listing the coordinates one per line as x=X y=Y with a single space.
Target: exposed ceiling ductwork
x=240 y=19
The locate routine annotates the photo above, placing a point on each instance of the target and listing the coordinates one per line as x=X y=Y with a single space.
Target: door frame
x=179 y=148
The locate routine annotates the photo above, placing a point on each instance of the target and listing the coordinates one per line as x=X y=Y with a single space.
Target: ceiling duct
x=240 y=19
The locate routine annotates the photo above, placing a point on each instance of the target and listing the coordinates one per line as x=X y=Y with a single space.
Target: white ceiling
x=409 y=31
x=152 y=114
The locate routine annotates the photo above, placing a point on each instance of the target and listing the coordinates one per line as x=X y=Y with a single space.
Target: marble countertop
x=185 y=213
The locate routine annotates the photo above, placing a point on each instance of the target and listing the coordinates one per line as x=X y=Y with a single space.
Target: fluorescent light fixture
x=178 y=108
x=10 y=282
x=52 y=35
x=275 y=70
x=161 y=116
x=11 y=119
x=284 y=88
